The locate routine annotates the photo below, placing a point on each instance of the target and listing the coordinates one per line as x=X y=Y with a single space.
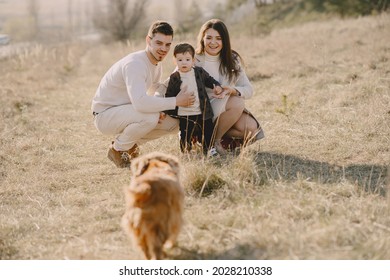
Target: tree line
x=122 y=16
x=119 y=20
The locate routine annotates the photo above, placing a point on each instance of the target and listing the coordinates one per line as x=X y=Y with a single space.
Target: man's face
x=159 y=45
x=184 y=62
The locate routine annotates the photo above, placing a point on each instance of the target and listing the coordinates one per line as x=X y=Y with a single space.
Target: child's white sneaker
x=212 y=152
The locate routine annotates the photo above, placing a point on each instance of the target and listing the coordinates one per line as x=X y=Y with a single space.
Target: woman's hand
x=230 y=90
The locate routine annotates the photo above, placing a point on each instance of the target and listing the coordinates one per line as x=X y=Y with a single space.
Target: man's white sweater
x=132 y=80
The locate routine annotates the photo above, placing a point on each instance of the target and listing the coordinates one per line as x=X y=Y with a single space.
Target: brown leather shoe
x=122 y=159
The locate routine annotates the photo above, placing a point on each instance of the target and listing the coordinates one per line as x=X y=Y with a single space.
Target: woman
x=215 y=55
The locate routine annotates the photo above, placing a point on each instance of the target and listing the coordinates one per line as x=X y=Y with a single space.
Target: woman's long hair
x=229 y=58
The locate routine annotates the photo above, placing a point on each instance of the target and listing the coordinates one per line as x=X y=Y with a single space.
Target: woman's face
x=212 y=42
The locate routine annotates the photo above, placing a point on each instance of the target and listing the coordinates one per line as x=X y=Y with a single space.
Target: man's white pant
x=133 y=127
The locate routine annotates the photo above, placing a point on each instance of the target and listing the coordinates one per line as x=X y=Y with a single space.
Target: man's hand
x=185 y=98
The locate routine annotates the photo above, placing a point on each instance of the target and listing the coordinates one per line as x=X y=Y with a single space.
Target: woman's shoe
x=220 y=149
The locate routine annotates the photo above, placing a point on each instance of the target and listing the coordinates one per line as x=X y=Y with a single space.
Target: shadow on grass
x=276 y=166
x=239 y=252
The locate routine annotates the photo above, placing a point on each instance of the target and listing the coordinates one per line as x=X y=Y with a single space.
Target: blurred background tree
x=259 y=17
x=188 y=17
x=350 y=7
x=120 y=18
x=33 y=9
x=26 y=27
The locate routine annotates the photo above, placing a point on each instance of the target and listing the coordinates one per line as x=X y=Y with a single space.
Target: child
x=195 y=121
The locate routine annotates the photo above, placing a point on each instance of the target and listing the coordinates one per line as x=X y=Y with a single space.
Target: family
x=204 y=97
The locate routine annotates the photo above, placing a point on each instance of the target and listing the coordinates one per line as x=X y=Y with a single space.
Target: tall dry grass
x=314 y=188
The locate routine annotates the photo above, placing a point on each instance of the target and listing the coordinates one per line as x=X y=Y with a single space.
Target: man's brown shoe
x=122 y=159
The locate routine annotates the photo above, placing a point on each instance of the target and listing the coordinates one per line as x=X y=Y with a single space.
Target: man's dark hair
x=160 y=27
x=183 y=48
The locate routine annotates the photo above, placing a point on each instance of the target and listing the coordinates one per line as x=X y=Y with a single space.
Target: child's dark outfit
x=195 y=121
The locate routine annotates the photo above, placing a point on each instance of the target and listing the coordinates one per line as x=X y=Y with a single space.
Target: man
x=124 y=104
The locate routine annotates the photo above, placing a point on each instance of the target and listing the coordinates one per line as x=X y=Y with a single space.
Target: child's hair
x=183 y=48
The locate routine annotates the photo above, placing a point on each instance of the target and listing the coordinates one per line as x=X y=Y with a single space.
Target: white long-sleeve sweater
x=132 y=80
x=211 y=65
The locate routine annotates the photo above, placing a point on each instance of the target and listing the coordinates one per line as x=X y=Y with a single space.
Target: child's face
x=184 y=61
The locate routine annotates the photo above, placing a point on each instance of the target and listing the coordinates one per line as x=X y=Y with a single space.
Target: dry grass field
x=314 y=188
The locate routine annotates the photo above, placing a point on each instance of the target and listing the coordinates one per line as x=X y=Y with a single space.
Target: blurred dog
x=154 y=204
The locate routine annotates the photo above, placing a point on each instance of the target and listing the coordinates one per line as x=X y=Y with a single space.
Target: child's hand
x=226 y=91
x=218 y=92
x=218 y=89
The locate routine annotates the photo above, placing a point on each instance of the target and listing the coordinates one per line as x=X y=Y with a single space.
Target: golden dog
x=154 y=204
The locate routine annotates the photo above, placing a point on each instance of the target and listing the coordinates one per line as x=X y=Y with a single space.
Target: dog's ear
x=138 y=166
x=174 y=163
